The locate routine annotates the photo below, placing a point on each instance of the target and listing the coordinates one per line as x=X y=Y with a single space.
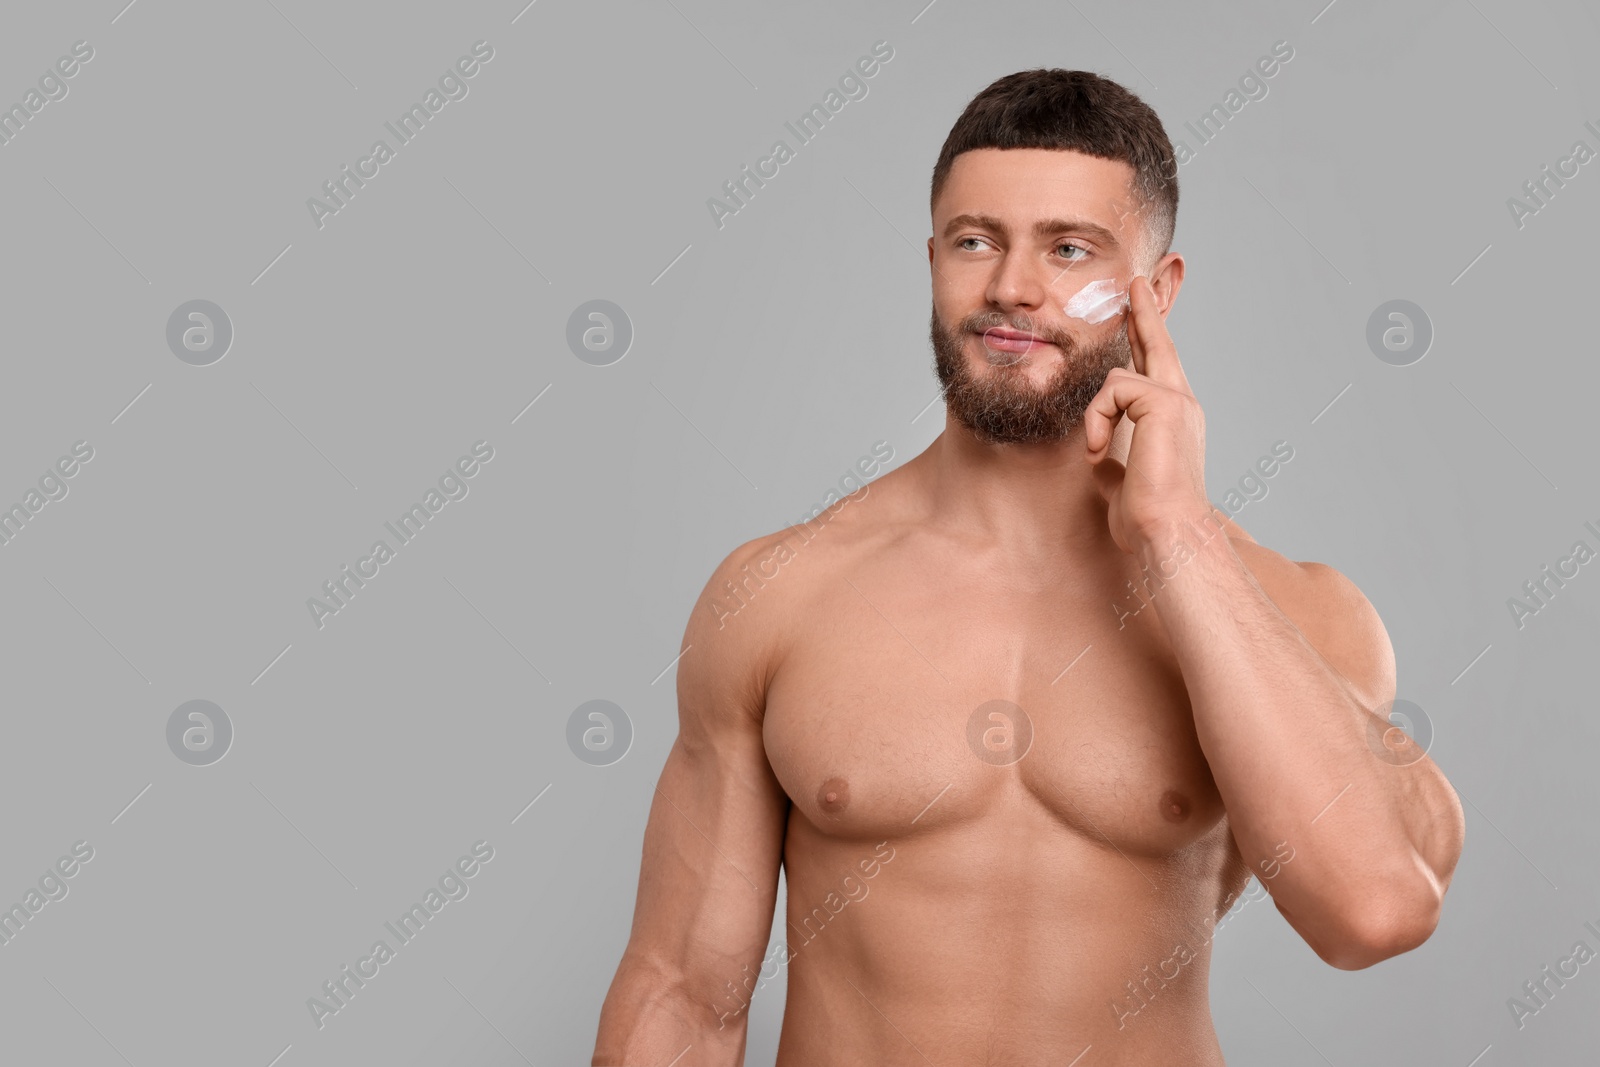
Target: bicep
x=714 y=840
x=708 y=874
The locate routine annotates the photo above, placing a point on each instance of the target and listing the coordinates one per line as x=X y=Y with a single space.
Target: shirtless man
x=1017 y=722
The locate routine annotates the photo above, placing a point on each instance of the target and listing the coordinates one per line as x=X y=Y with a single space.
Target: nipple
x=1174 y=806
x=834 y=796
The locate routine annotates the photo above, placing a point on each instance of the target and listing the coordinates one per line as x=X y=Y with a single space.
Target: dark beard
x=1002 y=407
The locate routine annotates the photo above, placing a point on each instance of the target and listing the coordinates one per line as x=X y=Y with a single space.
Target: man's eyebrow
x=1042 y=228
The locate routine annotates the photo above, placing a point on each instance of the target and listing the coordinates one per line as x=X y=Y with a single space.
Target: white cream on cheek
x=1097 y=301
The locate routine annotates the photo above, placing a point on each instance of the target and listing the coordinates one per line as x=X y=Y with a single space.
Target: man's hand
x=1163 y=485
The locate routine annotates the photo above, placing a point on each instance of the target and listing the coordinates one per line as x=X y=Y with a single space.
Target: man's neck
x=1023 y=498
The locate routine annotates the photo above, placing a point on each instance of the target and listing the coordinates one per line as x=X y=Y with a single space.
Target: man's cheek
x=1096 y=301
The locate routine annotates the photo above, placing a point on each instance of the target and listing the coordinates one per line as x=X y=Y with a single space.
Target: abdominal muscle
x=1004 y=939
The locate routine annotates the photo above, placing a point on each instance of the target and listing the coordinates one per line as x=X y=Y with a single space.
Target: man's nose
x=1021 y=280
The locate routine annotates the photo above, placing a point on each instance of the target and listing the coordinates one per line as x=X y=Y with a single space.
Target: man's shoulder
x=780 y=566
x=1297 y=584
x=763 y=590
x=812 y=547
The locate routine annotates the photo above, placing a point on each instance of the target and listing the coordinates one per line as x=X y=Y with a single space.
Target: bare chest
x=908 y=700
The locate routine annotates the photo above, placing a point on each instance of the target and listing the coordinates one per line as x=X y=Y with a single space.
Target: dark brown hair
x=1077 y=110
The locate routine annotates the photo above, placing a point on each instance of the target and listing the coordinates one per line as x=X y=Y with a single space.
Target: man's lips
x=1001 y=339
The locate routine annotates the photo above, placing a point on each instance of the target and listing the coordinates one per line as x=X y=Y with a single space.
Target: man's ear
x=1166 y=279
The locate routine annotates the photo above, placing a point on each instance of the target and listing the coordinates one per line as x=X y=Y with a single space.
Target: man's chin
x=1014 y=434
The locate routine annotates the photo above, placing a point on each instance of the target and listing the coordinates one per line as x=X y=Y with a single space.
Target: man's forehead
x=1037 y=183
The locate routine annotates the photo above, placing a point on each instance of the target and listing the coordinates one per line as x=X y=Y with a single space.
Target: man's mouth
x=1001 y=339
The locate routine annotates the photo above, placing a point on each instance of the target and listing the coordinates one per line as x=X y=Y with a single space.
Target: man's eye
x=966 y=242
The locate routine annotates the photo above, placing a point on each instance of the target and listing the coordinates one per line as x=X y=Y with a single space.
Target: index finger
x=1148 y=336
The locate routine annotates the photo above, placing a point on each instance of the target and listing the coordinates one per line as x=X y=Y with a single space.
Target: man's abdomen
x=1006 y=938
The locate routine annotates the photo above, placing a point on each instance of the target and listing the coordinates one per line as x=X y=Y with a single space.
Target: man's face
x=1017 y=234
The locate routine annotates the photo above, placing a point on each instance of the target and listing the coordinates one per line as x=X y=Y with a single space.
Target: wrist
x=1179 y=536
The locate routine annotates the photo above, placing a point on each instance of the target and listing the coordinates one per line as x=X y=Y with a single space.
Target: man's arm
x=1288 y=692
x=708 y=876
x=1287 y=687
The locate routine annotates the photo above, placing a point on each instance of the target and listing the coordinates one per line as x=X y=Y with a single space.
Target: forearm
x=649 y=1018
x=1287 y=740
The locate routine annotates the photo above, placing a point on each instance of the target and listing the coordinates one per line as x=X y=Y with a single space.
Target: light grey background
x=768 y=356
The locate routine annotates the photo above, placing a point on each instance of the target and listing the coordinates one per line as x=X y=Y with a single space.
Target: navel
x=834 y=796
x=1174 y=806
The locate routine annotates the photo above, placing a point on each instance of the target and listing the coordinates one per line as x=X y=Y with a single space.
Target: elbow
x=654 y=1008
x=1382 y=926
x=1395 y=906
